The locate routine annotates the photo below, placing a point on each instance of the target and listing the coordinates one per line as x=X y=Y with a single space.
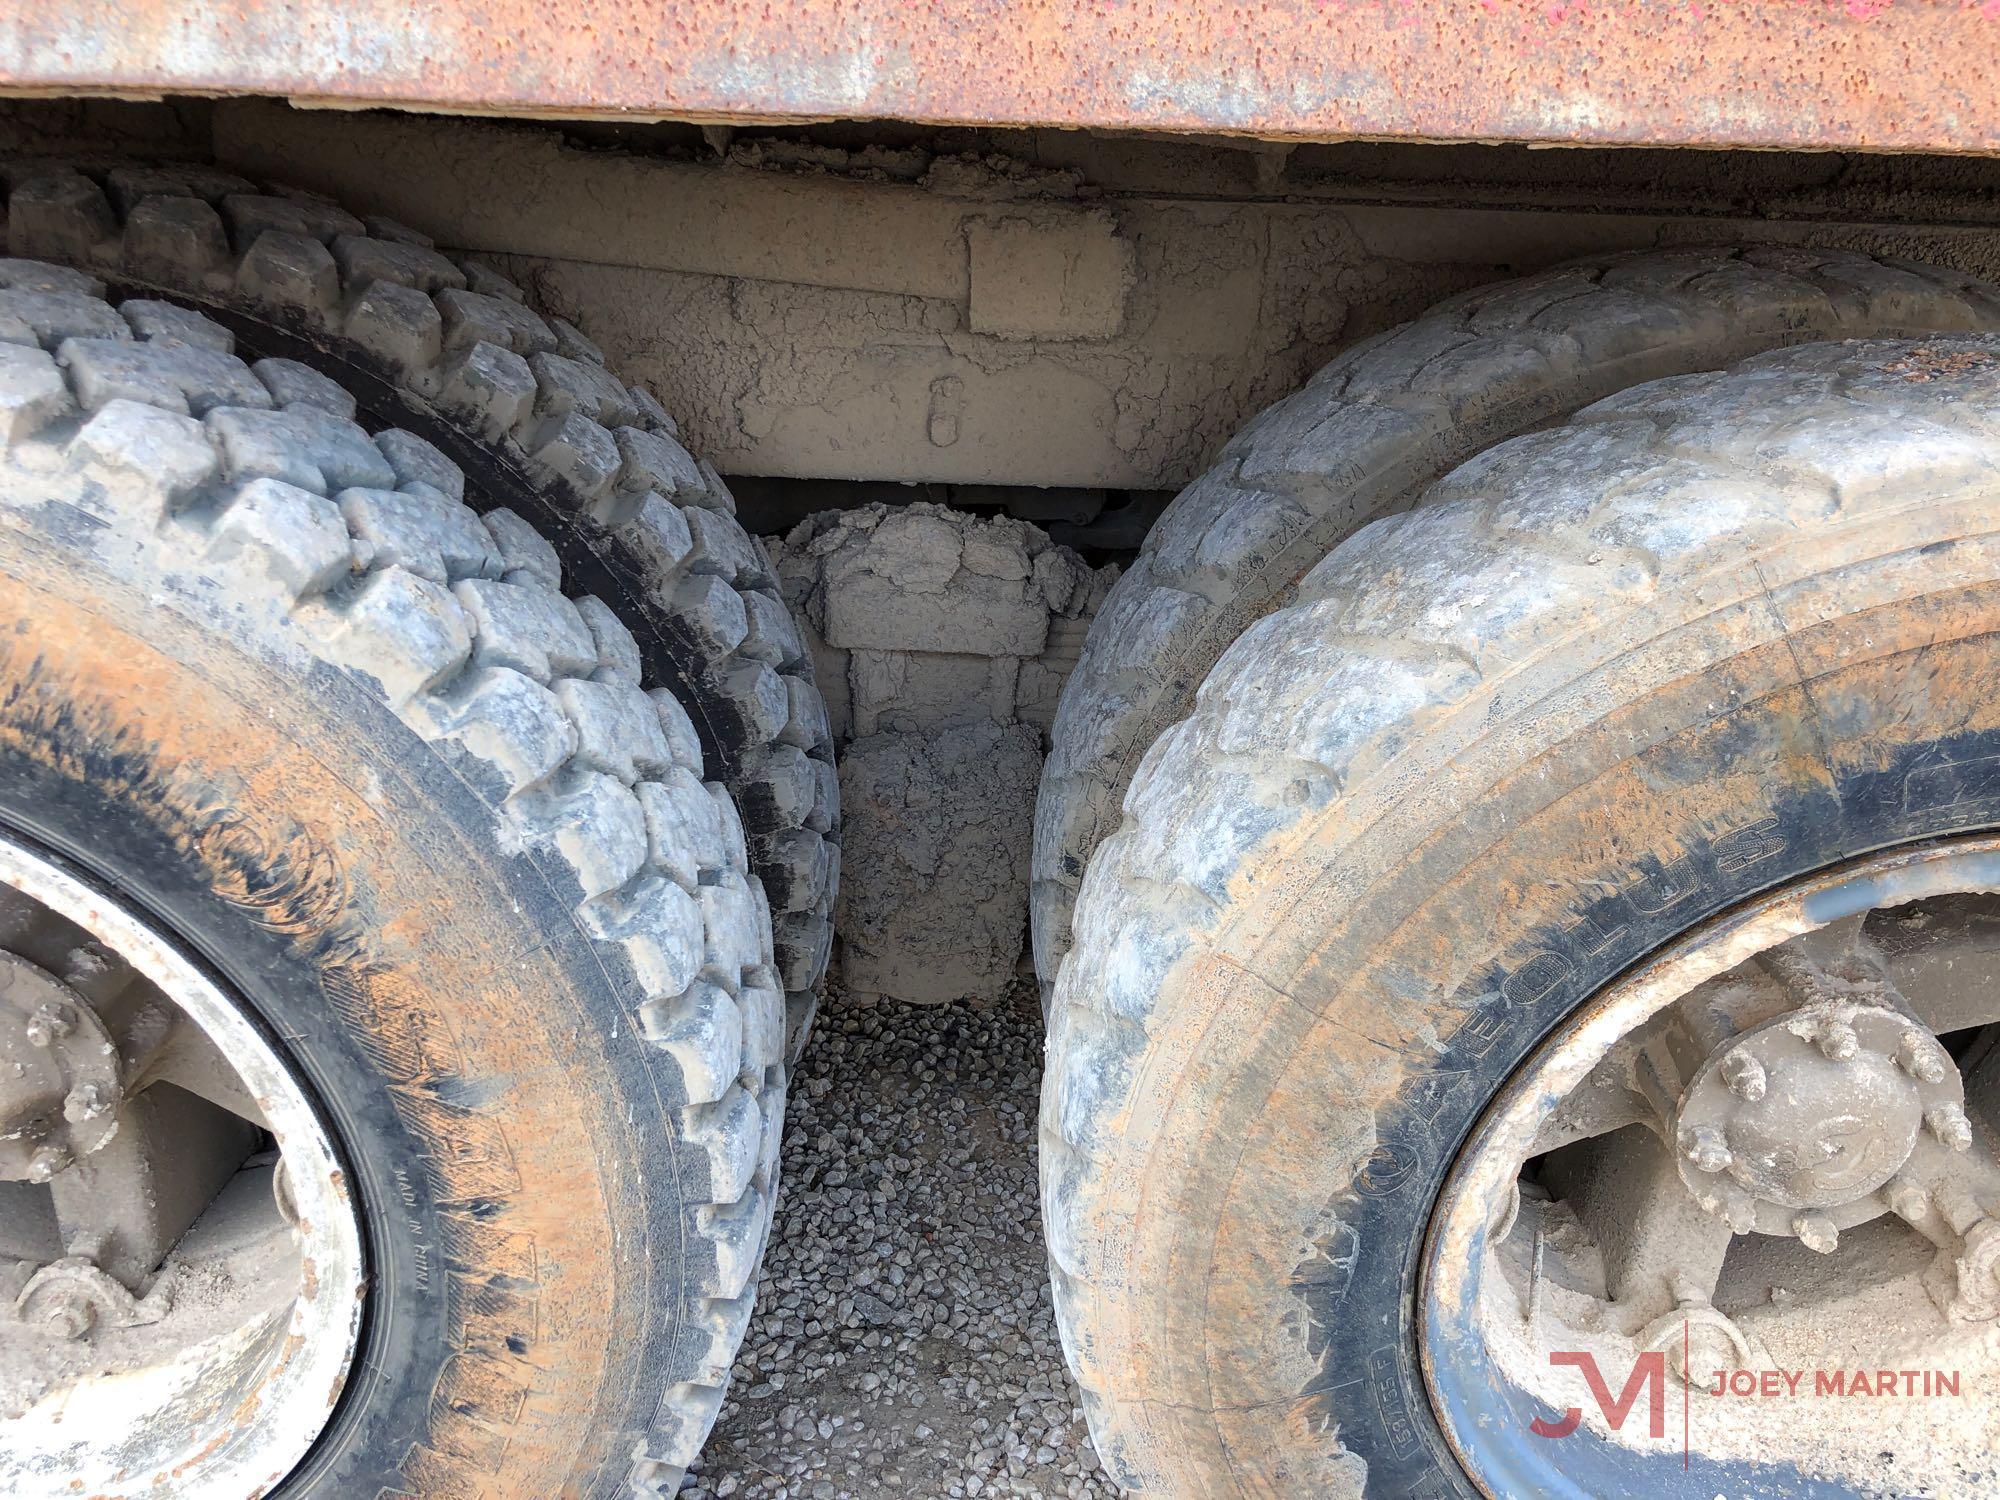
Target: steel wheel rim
x=202 y=1405
x=1487 y=1382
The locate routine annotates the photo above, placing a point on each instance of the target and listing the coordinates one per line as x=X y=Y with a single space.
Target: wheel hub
x=59 y=1083
x=1817 y=1109
x=181 y=1271
x=1768 y=1158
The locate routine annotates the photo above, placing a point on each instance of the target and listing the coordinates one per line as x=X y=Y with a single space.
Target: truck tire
x=372 y=760
x=446 y=347
x=1710 y=638
x=1378 y=424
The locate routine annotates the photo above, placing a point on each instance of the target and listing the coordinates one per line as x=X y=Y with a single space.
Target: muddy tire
x=1378 y=424
x=1715 y=633
x=397 y=779
x=446 y=347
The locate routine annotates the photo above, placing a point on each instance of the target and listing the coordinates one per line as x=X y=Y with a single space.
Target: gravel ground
x=903 y=1343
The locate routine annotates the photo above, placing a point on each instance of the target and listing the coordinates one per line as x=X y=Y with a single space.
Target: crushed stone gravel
x=904 y=1344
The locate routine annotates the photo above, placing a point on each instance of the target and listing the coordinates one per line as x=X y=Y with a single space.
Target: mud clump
x=942 y=640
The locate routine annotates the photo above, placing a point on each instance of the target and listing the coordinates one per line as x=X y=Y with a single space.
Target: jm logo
x=1649 y=1374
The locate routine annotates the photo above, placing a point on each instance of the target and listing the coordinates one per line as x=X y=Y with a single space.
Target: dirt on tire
x=1606 y=680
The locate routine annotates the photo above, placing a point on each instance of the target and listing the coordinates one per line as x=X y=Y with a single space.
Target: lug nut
x=86 y=1102
x=47 y=1024
x=1741 y=1212
x=1919 y=1058
x=69 y=1317
x=1816 y=1233
x=1704 y=1146
x=47 y=1161
x=1744 y=1076
x=1908 y=1201
x=1837 y=1041
x=1948 y=1123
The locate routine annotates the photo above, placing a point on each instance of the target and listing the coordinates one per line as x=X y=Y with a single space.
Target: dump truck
x=1465 y=671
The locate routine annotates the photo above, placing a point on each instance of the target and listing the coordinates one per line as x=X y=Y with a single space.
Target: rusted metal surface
x=1863 y=74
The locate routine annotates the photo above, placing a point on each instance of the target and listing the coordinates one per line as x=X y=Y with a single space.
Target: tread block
x=772 y=637
x=652 y=416
x=532 y=630
x=164 y=323
x=805 y=719
x=363 y=259
x=714 y=492
x=702 y=1030
x=511 y=723
x=572 y=344
x=683 y=833
x=292 y=384
x=433 y=537
x=252 y=215
x=804 y=941
x=656 y=461
x=658 y=536
x=400 y=327
x=396 y=232
x=733 y=840
x=489 y=385
x=290 y=274
x=784 y=789
x=726 y=1138
x=618 y=731
x=723 y=548
x=734 y=925
x=474 y=317
x=712 y=615
x=418 y=461
x=168 y=456
x=296 y=537
x=173 y=377
x=793 y=866
x=303 y=446
x=593 y=824
x=40 y=276
x=617 y=653
x=659 y=927
x=61 y=216
x=175 y=241
x=33 y=392
x=404 y=631
x=32 y=316
x=826 y=797
x=682 y=741
x=129 y=187
x=760 y=699
x=487 y=282
x=735 y=1237
x=576 y=453
x=762 y=1005
x=566 y=385
x=523 y=550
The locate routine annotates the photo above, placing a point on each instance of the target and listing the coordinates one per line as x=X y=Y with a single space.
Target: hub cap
x=1765 y=1165
x=180 y=1264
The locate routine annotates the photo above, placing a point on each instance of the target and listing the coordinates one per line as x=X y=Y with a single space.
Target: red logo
x=1649 y=1373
